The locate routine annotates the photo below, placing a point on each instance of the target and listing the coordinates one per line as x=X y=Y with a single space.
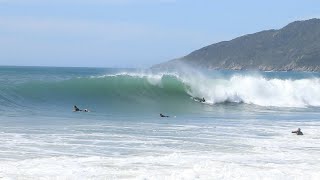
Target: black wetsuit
x=76 y=108
x=298 y=132
x=161 y=115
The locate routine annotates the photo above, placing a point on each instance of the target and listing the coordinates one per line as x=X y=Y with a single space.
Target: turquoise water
x=242 y=131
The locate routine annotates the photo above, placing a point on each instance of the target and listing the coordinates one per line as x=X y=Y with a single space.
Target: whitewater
x=242 y=131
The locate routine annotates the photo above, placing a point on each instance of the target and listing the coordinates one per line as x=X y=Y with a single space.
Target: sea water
x=242 y=131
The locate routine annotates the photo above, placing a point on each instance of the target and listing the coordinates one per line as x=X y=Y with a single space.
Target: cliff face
x=294 y=47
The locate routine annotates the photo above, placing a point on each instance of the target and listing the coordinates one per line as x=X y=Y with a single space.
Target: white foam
x=171 y=166
x=262 y=91
x=218 y=150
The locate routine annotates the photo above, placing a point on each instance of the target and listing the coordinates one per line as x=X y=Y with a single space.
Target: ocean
x=242 y=130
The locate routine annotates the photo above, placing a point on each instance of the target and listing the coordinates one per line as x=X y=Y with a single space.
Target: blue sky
x=131 y=33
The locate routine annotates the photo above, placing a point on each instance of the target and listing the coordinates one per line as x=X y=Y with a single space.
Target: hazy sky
x=131 y=33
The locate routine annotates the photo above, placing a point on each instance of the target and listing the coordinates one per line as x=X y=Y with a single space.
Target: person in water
x=298 y=132
x=161 y=115
x=203 y=100
x=76 y=109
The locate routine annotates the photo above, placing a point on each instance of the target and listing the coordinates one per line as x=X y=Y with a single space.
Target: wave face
x=117 y=92
x=161 y=91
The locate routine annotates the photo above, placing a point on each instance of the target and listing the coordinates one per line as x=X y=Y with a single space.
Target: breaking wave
x=148 y=90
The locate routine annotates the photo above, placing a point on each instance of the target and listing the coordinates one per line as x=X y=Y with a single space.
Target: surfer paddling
x=161 y=115
x=298 y=132
x=76 y=109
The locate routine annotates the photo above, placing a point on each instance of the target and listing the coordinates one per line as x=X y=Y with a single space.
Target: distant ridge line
x=295 y=47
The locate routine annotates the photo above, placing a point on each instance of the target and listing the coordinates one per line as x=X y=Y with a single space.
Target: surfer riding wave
x=199 y=99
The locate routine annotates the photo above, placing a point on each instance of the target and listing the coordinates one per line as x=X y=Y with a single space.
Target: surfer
x=199 y=99
x=76 y=109
x=298 y=132
x=161 y=115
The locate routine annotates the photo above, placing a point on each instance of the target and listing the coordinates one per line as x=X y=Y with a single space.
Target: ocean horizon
x=243 y=130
